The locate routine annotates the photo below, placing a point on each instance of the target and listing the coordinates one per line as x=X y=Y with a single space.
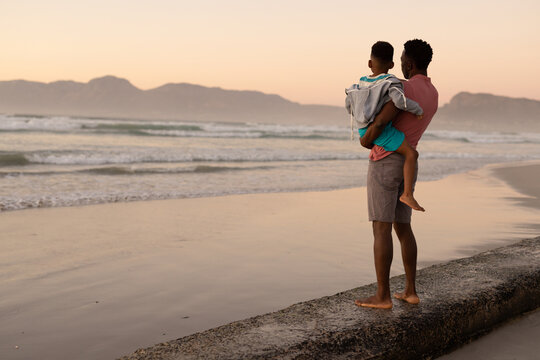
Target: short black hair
x=383 y=51
x=420 y=52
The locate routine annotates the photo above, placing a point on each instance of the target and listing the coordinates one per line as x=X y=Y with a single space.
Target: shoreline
x=523 y=188
x=103 y=280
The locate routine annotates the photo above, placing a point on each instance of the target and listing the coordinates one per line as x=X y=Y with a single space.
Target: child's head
x=382 y=54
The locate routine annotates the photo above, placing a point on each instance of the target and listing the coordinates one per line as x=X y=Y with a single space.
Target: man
x=385 y=177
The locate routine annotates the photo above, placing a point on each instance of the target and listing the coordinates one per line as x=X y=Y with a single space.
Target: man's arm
x=388 y=113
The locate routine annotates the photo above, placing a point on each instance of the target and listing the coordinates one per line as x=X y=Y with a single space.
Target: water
x=64 y=161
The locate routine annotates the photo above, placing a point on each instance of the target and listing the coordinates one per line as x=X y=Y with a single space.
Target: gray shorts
x=384 y=187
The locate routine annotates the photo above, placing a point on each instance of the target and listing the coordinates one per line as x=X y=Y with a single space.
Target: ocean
x=49 y=161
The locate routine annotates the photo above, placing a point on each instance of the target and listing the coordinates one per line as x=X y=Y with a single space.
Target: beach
x=184 y=181
x=100 y=281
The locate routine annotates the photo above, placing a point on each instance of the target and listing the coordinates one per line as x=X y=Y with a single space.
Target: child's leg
x=409 y=168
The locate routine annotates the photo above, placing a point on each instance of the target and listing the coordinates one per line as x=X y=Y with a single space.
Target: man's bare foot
x=411 y=201
x=373 y=302
x=411 y=299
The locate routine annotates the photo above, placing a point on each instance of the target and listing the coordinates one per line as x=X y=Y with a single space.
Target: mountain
x=110 y=96
x=487 y=112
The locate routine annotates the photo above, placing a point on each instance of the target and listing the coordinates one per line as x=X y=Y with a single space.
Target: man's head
x=382 y=54
x=416 y=57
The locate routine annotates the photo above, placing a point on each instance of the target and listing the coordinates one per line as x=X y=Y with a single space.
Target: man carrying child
x=385 y=176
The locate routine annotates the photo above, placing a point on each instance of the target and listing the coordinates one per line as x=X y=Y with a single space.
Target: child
x=366 y=99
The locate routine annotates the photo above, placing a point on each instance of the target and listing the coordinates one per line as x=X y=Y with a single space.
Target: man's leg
x=408 y=254
x=383 y=253
x=384 y=180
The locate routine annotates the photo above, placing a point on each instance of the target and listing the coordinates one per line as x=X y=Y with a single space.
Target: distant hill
x=488 y=112
x=110 y=96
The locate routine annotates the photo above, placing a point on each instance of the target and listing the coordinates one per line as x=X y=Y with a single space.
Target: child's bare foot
x=411 y=201
x=409 y=298
x=373 y=302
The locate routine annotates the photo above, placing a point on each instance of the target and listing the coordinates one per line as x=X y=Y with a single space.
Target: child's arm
x=388 y=113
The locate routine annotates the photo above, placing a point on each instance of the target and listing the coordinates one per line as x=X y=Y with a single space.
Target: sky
x=305 y=51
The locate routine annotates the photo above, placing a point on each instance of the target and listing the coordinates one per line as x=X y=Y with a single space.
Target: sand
x=101 y=281
x=519 y=177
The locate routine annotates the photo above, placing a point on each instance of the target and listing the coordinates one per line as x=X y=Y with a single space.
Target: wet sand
x=100 y=281
x=519 y=177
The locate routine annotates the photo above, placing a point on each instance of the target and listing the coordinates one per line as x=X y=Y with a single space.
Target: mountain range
x=111 y=96
x=487 y=112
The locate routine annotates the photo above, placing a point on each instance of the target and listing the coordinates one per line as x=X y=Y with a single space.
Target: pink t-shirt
x=420 y=89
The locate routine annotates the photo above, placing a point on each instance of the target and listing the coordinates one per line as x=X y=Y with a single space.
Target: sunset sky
x=305 y=51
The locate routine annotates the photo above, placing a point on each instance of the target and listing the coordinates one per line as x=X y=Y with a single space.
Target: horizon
x=303 y=53
x=242 y=90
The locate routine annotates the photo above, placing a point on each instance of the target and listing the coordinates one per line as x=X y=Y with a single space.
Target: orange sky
x=305 y=51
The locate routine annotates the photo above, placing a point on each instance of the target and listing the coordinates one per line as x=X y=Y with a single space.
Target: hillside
x=488 y=112
x=110 y=96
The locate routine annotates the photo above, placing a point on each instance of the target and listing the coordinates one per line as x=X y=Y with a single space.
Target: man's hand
x=388 y=113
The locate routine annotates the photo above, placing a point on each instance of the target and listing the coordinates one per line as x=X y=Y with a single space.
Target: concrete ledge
x=460 y=300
